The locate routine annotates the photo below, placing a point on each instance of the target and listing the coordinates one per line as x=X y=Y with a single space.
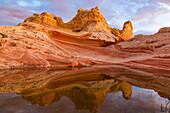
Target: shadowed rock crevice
x=3 y=35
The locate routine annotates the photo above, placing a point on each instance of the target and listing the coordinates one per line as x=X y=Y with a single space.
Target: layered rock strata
x=34 y=45
x=45 y=41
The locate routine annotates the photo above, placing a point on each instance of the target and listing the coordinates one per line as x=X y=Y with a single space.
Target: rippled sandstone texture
x=34 y=45
x=38 y=42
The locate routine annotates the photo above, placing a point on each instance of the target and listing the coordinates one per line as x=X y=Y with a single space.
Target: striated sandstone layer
x=90 y=21
x=34 y=45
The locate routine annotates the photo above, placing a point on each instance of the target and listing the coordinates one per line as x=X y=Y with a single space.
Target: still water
x=98 y=89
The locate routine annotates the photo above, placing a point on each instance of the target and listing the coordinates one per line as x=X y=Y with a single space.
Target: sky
x=147 y=16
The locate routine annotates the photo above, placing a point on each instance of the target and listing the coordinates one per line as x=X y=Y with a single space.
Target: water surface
x=99 y=89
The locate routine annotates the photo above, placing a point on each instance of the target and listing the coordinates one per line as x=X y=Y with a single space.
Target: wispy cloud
x=163 y=5
x=24 y=3
x=147 y=16
x=21 y=3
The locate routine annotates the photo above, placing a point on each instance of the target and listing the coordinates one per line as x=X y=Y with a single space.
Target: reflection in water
x=95 y=89
x=85 y=94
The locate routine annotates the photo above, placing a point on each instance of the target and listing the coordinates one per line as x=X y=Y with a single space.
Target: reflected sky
x=142 y=100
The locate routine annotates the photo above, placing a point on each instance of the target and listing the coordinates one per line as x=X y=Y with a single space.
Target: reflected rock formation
x=86 y=87
x=86 y=94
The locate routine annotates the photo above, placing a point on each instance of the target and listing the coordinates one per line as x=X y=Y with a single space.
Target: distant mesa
x=88 y=21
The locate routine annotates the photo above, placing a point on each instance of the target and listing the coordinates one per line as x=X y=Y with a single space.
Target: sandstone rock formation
x=127 y=31
x=91 y=21
x=45 y=19
x=44 y=40
x=124 y=34
x=86 y=20
x=164 y=30
x=34 y=45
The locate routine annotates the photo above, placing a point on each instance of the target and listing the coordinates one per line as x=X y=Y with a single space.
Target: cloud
x=146 y=15
x=148 y=19
x=21 y=3
x=163 y=5
x=13 y=15
x=163 y=1
x=33 y=3
x=8 y=21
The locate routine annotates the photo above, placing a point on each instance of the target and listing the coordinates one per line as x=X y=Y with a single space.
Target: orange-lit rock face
x=127 y=31
x=91 y=21
x=45 y=19
x=124 y=34
x=86 y=20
